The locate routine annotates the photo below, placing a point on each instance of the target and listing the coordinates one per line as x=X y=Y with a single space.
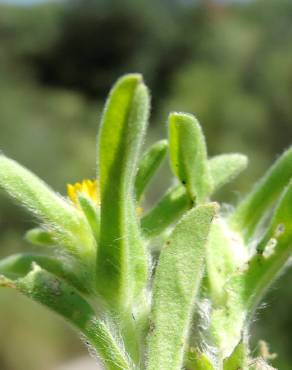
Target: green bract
x=185 y=305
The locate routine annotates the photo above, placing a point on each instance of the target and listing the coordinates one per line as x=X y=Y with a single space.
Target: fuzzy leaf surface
x=273 y=251
x=188 y=155
x=249 y=212
x=68 y=225
x=148 y=165
x=225 y=254
x=238 y=358
x=196 y=360
x=176 y=284
x=224 y=168
x=63 y=299
x=122 y=263
x=18 y=265
x=168 y=210
x=91 y=213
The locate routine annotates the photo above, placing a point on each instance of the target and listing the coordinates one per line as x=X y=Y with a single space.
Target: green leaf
x=188 y=155
x=176 y=285
x=168 y=210
x=148 y=165
x=224 y=168
x=195 y=360
x=250 y=211
x=18 y=265
x=63 y=299
x=40 y=237
x=91 y=213
x=238 y=359
x=122 y=263
x=225 y=255
x=69 y=227
x=273 y=252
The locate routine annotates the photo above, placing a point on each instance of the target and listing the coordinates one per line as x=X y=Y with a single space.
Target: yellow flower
x=91 y=190
x=86 y=187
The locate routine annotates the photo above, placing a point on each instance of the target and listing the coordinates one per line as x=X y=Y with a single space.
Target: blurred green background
x=230 y=63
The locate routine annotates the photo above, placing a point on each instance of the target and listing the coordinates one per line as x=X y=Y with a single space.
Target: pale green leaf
x=225 y=254
x=238 y=359
x=196 y=360
x=69 y=226
x=176 y=285
x=18 y=265
x=148 y=165
x=273 y=252
x=91 y=213
x=250 y=211
x=224 y=168
x=62 y=298
x=167 y=211
x=40 y=237
x=188 y=155
x=122 y=263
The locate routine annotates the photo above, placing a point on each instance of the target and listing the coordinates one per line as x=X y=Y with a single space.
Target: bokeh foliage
x=228 y=64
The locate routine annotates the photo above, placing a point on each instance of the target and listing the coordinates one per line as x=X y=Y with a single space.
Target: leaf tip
x=181 y=117
x=131 y=78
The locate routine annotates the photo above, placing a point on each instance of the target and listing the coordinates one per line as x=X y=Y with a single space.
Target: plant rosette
x=189 y=303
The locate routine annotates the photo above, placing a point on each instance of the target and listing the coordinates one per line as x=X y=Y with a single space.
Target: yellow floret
x=91 y=190
x=86 y=187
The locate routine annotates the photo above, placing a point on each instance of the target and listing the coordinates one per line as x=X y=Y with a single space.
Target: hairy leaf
x=18 y=265
x=226 y=167
x=188 y=155
x=273 y=251
x=250 y=211
x=91 y=213
x=148 y=165
x=176 y=284
x=71 y=229
x=62 y=298
x=168 y=210
x=195 y=360
x=238 y=358
x=122 y=260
